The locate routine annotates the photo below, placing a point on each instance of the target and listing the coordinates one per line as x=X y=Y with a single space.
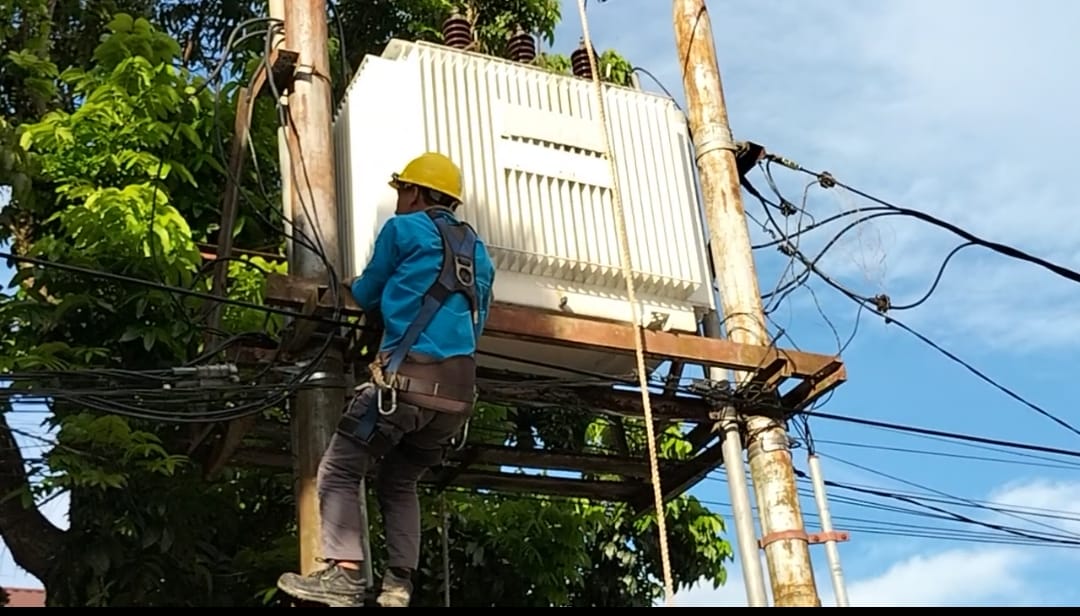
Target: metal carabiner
x=459 y=445
x=393 y=401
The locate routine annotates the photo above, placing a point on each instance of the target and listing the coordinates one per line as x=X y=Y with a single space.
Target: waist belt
x=435 y=389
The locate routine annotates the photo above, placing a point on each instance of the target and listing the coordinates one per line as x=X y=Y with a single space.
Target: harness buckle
x=463 y=270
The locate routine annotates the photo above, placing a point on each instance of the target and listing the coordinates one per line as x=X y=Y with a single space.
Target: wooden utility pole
x=784 y=538
x=315 y=410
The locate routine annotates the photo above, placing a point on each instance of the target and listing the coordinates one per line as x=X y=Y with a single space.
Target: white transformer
x=536 y=186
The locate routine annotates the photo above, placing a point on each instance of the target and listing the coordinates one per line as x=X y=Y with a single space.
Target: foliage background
x=112 y=142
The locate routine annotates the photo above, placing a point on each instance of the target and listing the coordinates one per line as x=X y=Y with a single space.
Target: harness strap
x=457 y=275
x=361 y=425
x=424 y=387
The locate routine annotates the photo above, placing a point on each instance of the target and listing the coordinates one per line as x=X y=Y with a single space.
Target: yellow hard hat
x=431 y=170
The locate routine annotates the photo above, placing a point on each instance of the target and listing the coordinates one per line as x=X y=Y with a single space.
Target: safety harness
x=457 y=275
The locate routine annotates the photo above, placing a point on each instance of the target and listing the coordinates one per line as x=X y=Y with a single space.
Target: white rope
x=639 y=345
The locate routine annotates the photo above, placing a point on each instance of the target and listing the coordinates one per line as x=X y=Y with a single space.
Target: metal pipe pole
x=739 y=491
x=832 y=552
x=786 y=544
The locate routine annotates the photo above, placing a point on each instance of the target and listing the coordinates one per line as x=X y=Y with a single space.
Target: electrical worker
x=430 y=277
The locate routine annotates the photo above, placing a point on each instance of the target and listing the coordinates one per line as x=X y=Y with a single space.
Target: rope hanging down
x=627 y=271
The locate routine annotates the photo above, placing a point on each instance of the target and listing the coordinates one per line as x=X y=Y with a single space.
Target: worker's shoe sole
x=333 y=593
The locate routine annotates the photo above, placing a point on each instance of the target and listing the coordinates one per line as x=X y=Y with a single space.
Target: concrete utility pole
x=315 y=410
x=785 y=541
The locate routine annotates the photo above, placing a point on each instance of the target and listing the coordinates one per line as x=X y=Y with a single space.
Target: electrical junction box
x=537 y=188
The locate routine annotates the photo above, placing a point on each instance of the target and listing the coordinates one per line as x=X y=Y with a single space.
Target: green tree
x=115 y=164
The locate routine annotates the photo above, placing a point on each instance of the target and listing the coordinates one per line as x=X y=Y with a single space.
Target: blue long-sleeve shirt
x=405 y=262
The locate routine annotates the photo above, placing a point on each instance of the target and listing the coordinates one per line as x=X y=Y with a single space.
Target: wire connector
x=780 y=160
x=882 y=303
x=826 y=180
x=219 y=372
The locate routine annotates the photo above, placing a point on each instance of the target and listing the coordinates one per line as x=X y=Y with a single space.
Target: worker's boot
x=396 y=590
x=332 y=586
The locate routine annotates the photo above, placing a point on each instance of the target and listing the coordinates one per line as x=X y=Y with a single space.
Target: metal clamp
x=711 y=141
x=782 y=535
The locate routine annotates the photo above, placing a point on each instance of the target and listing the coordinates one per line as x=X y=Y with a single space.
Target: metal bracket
x=782 y=535
x=282 y=71
x=811 y=538
x=838 y=536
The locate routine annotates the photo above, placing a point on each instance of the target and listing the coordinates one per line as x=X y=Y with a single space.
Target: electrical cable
x=945 y=434
x=238 y=410
x=881 y=306
x=640 y=372
x=937 y=497
x=164 y=287
x=950 y=455
x=818 y=414
x=953 y=515
x=1004 y=249
x=997 y=510
x=937 y=347
x=230 y=43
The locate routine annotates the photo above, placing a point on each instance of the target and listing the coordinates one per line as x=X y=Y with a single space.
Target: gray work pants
x=409 y=441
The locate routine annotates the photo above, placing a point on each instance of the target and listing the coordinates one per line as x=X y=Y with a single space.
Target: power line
x=827 y=179
x=1000 y=510
x=823 y=415
x=946 y=454
x=881 y=304
x=160 y=286
x=942 y=433
x=1000 y=534
x=950 y=514
x=940 y=349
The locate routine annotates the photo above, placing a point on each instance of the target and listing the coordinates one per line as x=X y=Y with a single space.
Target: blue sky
x=33 y=437
x=940 y=106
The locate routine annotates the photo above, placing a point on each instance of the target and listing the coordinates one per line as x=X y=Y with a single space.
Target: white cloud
x=976 y=133
x=884 y=573
x=963 y=110
x=1060 y=499
x=952 y=578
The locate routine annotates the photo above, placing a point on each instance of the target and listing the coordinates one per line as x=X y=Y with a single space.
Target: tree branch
x=33 y=540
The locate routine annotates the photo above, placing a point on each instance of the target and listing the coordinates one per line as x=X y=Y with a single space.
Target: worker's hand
x=348 y=284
